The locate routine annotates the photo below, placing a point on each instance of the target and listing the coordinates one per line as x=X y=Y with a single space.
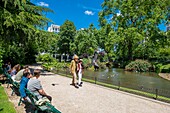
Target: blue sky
x=81 y=12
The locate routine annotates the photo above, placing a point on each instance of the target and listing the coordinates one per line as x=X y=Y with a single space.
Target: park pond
x=148 y=81
x=145 y=81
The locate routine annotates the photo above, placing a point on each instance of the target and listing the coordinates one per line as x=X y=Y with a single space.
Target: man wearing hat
x=73 y=70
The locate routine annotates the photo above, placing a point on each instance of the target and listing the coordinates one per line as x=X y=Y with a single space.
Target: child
x=80 y=70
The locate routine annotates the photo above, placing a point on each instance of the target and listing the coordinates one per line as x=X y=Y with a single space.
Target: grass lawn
x=5 y=105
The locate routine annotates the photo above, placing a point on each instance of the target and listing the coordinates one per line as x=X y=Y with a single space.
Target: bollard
x=66 y=71
x=118 y=85
x=95 y=79
x=156 y=96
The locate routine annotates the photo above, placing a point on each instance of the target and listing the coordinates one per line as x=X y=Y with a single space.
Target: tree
x=85 y=41
x=105 y=40
x=67 y=34
x=20 y=28
x=135 y=22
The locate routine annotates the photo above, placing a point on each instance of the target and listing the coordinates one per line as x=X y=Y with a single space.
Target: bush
x=45 y=58
x=86 y=63
x=165 y=68
x=102 y=65
x=109 y=65
x=158 y=67
x=55 y=65
x=139 y=66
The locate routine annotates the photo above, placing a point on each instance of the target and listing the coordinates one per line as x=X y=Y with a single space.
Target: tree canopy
x=135 y=24
x=67 y=34
x=21 y=28
x=128 y=31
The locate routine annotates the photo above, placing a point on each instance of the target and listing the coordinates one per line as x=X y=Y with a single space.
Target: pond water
x=148 y=80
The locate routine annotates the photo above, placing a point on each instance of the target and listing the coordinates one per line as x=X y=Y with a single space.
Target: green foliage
x=102 y=65
x=106 y=39
x=21 y=29
x=84 y=41
x=138 y=66
x=67 y=33
x=47 y=42
x=165 y=68
x=86 y=63
x=158 y=67
x=102 y=57
x=1 y=55
x=134 y=31
x=55 y=65
x=163 y=54
x=45 y=58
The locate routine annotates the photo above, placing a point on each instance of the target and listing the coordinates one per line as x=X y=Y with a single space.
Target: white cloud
x=42 y=4
x=91 y=8
x=88 y=8
x=89 y=12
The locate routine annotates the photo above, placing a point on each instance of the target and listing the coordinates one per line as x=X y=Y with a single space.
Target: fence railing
x=155 y=93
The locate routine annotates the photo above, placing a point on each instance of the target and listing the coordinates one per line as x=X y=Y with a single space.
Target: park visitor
x=35 y=86
x=80 y=72
x=73 y=67
x=23 y=84
x=19 y=75
x=8 y=66
x=15 y=70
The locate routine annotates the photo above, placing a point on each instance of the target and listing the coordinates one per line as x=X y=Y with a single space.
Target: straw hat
x=75 y=57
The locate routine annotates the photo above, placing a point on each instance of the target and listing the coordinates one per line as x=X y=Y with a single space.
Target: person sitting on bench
x=23 y=84
x=35 y=87
x=20 y=74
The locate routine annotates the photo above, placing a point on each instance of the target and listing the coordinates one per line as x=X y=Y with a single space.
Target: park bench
x=15 y=85
x=45 y=107
x=1 y=74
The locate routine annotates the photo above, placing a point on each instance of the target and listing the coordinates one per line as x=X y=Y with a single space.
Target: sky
x=81 y=12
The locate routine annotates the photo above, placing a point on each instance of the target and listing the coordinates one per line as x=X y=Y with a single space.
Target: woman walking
x=80 y=70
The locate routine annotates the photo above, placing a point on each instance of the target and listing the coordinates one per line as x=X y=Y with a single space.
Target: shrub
x=165 y=68
x=55 y=65
x=102 y=65
x=86 y=63
x=158 y=67
x=139 y=66
x=109 y=65
x=45 y=58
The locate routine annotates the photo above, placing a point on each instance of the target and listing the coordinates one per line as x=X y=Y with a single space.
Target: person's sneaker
x=80 y=85
x=76 y=86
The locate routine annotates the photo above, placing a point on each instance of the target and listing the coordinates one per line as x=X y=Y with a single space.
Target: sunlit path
x=92 y=98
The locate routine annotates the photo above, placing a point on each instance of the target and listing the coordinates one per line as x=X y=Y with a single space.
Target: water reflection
x=130 y=79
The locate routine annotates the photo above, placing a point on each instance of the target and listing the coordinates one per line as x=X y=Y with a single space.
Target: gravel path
x=92 y=98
